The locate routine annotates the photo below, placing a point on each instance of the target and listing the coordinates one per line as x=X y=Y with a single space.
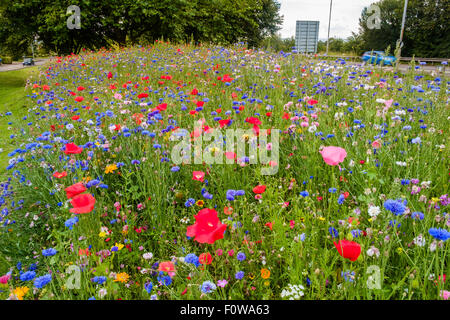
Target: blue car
x=378 y=57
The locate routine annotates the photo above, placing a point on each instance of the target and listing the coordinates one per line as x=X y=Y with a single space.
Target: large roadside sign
x=306 y=36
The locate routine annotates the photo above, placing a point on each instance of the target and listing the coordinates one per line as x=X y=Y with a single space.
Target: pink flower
x=376 y=144
x=219 y=252
x=4 y=279
x=445 y=294
x=333 y=155
x=222 y=283
x=231 y=252
x=198 y=175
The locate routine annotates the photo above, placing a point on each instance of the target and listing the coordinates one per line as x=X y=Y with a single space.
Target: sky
x=344 y=16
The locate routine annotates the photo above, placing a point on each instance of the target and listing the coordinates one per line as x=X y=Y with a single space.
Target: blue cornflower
x=42 y=281
x=334 y=233
x=304 y=193
x=440 y=234
x=341 y=199
x=394 y=223
x=148 y=287
x=189 y=203
x=70 y=222
x=192 y=258
x=239 y=275
x=99 y=279
x=208 y=287
x=332 y=190
x=165 y=280
x=417 y=215
x=175 y=169
x=230 y=195
x=356 y=233
x=395 y=206
x=241 y=256
x=348 y=276
x=49 y=252
x=27 y=276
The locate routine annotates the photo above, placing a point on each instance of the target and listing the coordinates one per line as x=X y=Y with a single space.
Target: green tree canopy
x=135 y=21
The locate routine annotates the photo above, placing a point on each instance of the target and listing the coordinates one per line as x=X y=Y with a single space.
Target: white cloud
x=344 y=17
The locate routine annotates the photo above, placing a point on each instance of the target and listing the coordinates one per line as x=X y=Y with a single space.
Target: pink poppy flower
x=333 y=155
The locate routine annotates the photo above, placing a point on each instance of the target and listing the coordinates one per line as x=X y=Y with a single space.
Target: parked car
x=378 y=57
x=28 y=62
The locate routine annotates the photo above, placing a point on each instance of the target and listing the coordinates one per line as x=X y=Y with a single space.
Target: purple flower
x=239 y=275
x=241 y=256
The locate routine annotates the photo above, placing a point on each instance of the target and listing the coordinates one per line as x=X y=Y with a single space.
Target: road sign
x=306 y=36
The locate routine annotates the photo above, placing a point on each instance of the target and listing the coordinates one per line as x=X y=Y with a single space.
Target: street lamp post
x=329 y=22
x=403 y=29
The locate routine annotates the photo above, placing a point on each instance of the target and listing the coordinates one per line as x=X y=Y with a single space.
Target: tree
x=136 y=21
x=427 y=31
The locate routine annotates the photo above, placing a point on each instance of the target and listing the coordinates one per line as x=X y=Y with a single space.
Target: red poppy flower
x=75 y=118
x=253 y=120
x=82 y=203
x=259 y=189
x=79 y=99
x=110 y=75
x=224 y=122
x=207 y=227
x=198 y=175
x=162 y=107
x=72 y=148
x=166 y=266
x=80 y=88
x=348 y=249
x=75 y=189
x=194 y=92
x=270 y=225
x=205 y=258
x=59 y=175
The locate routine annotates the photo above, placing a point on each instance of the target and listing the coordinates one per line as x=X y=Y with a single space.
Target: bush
x=6 y=60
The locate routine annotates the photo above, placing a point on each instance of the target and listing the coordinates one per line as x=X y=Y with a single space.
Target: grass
x=12 y=93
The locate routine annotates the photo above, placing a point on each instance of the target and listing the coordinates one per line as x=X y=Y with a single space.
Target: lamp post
x=403 y=29
x=329 y=22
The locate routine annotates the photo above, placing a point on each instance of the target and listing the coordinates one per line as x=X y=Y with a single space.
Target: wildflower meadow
x=173 y=172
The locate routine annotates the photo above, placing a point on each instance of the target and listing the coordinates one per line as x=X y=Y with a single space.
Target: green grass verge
x=12 y=94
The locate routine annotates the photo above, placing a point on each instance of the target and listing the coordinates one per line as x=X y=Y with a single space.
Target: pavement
x=18 y=65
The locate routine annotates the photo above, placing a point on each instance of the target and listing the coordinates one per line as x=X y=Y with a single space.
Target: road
x=436 y=70
x=18 y=65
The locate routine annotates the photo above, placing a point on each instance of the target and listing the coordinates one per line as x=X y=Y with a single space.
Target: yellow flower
x=122 y=277
x=299 y=130
x=110 y=168
x=200 y=203
x=321 y=218
x=434 y=200
x=102 y=234
x=19 y=292
x=266 y=283
x=119 y=246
